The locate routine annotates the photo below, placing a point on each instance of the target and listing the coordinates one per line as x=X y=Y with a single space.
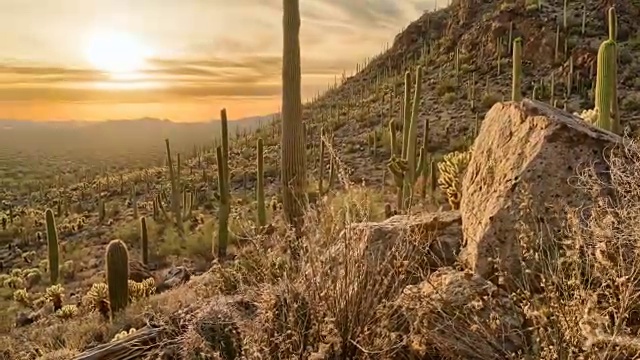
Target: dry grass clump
x=452 y=315
x=585 y=300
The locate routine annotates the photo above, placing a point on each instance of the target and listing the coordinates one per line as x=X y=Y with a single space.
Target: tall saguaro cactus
x=144 y=240
x=616 y=127
x=516 y=89
x=605 y=83
x=52 y=246
x=225 y=208
x=407 y=168
x=294 y=177
x=262 y=212
x=175 y=193
x=117 y=263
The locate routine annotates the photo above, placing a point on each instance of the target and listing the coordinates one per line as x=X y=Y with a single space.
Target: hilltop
x=495 y=259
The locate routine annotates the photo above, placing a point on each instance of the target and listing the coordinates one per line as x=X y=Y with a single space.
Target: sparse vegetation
x=282 y=241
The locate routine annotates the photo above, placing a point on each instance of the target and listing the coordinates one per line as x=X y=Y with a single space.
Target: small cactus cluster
x=451 y=170
x=123 y=334
x=141 y=290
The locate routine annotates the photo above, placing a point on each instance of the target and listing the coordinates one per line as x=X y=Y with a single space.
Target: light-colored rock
x=435 y=236
x=519 y=177
x=452 y=315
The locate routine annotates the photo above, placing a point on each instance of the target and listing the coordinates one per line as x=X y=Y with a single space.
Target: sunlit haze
x=182 y=60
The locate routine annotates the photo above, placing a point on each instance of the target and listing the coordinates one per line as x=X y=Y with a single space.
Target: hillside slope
x=479 y=31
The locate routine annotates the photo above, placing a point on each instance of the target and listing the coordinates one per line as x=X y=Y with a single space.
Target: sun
x=115 y=52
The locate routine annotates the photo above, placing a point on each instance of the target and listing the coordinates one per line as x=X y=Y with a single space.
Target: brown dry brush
x=589 y=306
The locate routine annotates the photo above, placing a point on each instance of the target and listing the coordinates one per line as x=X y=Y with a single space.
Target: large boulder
x=519 y=183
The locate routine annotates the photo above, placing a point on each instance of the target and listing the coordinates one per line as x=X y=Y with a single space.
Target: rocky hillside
x=466 y=56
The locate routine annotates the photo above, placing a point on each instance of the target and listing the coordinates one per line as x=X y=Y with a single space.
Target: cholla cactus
x=141 y=290
x=97 y=299
x=451 y=169
x=67 y=311
x=13 y=282
x=123 y=334
x=21 y=296
x=589 y=115
x=55 y=294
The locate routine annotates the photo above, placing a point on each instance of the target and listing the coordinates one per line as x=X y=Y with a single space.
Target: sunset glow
x=116 y=52
x=183 y=60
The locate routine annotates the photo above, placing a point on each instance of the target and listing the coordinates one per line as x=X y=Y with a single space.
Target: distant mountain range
x=127 y=123
x=106 y=139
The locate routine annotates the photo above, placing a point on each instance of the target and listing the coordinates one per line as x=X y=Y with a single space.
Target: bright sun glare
x=115 y=52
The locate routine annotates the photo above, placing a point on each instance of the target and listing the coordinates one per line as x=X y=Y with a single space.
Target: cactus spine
x=262 y=212
x=224 y=208
x=605 y=83
x=294 y=178
x=52 y=246
x=144 y=240
x=117 y=263
x=516 y=89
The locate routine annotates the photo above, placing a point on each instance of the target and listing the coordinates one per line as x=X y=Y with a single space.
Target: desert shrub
x=585 y=300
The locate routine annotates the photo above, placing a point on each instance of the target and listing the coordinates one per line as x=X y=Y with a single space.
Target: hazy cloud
x=206 y=48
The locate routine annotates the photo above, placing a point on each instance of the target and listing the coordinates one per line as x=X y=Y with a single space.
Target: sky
x=178 y=59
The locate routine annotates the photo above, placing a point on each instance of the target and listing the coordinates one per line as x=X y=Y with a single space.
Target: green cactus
x=321 y=164
x=406 y=113
x=425 y=158
x=613 y=23
x=144 y=240
x=52 y=246
x=224 y=208
x=294 y=177
x=117 y=264
x=262 y=212
x=605 y=83
x=407 y=168
x=616 y=127
x=134 y=201
x=393 y=143
x=516 y=89
x=174 y=178
x=101 y=210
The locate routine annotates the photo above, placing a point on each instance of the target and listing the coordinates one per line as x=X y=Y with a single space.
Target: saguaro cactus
x=144 y=240
x=262 y=212
x=294 y=177
x=605 y=83
x=406 y=169
x=52 y=246
x=224 y=208
x=321 y=164
x=175 y=193
x=616 y=127
x=117 y=263
x=516 y=89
